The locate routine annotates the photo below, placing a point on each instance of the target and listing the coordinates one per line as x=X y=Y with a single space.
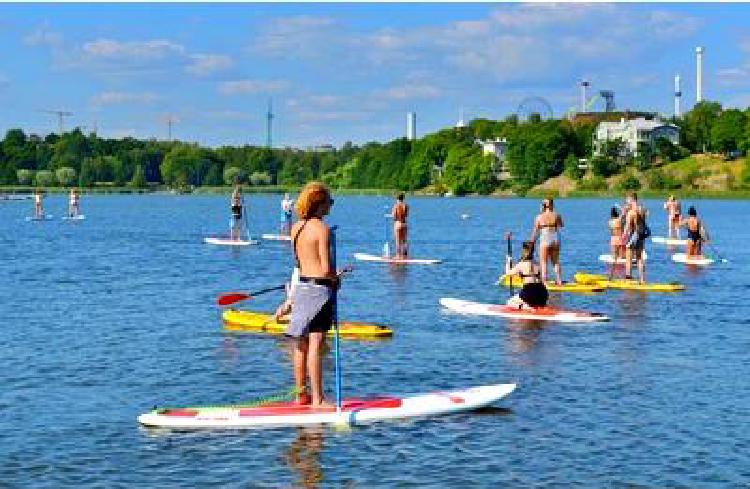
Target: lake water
x=102 y=319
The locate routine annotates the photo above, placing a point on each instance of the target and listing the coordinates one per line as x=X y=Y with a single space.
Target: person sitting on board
x=634 y=236
x=696 y=234
x=533 y=293
x=73 y=206
x=38 y=206
x=615 y=237
x=400 y=212
x=672 y=206
x=236 y=211
x=313 y=298
x=547 y=227
x=287 y=206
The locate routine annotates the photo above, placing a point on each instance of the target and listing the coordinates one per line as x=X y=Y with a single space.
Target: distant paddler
x=696 y=234
x=533 y=293
x=674 y=211
x=38 y=204
x=74 y=203
x=634 y=236
x=547 y=226
x=287 y=213
x=400 y=213
x=314 y=296
x=237 y=205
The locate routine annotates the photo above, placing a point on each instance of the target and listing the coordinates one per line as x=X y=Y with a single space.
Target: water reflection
x=303 y=456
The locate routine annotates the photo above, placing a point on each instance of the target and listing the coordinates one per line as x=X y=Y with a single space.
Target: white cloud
x=155 y=49
x=205 y=64
x=118 y=98
x=411 y=91
x=44 y=36
x=240 y=87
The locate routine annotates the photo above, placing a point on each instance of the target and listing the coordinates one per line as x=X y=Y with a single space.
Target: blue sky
x=339 y=72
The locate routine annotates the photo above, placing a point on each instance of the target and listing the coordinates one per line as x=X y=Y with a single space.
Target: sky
x=350 y=72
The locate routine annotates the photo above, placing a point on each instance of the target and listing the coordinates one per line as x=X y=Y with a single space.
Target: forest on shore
x=450 y=160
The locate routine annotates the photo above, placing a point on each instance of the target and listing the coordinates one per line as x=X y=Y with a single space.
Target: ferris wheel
x=534 y=105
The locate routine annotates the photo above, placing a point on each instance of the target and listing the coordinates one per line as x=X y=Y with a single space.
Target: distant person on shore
x=547 y=227
x=38 y=204
x=73 y=203
x=615 y=237
x=237 y=204
x=533 y=293
x=634 y=236
x=696 y=234
x=399 y=213
x=672 y=206
x=287 y=213
x=314 y=296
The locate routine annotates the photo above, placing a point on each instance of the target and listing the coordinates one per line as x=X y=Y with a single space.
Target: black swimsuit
x=534 y=293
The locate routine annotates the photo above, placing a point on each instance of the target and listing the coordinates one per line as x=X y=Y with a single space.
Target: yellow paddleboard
x=260 y=322
x=626 y=284
x=580 y=288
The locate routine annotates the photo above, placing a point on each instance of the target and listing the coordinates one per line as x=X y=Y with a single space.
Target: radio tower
x=269 y=124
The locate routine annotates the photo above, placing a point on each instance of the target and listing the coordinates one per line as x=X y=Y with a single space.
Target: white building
x=635 y=131
x=497 y=147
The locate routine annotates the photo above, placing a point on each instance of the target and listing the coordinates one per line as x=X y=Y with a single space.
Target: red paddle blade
x=231 y=298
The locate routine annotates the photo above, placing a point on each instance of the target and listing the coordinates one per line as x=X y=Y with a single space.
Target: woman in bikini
x=615 y=237
x=533 y=293
x=399 y=213
x=313 y=298
x=236 y=212
x=547 y=227
x=672 y=206
x=695 y=234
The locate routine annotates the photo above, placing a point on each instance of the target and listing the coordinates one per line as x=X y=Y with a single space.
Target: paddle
x=232 y=297
x=336 y=351
x=716 y=252
x=386 y=243
x=244 y=218
x=509 y=259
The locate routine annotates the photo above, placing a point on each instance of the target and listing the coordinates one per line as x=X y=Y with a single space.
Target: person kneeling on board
x=314 y=297
x=533 y=293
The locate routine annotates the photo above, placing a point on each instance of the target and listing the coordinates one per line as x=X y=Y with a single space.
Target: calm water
x=104 y=318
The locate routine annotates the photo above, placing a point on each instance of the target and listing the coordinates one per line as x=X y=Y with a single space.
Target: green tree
x=24 y=176
x=139 y=178
x=728 y=131
x=66 y=176
x=86 y=177
x=572 y=169
x=233 y=175
x=698 y=124
x=260 y=178
x=45 y=178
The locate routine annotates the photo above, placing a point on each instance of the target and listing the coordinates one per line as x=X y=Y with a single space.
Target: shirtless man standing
x=634 y=237
x=400 y=212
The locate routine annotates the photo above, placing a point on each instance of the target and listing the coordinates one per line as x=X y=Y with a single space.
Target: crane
x=60 y=115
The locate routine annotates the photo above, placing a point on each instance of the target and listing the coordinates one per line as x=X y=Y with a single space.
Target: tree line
x=449 y=159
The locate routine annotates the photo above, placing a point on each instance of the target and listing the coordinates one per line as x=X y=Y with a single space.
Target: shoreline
x=278 y=189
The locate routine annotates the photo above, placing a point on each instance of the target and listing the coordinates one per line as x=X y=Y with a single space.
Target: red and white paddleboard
x=354 y=411
x=509 y=312
x=398 y=261
x=227 y=241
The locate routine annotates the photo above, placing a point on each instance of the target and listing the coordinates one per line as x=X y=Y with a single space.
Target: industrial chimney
x=698 y=74
x=584 y=85
x=677 y=95
x=411 y=126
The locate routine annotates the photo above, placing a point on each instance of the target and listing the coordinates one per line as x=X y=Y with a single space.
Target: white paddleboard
x=277 y=237
x=79 y=217
x=354 y=411
x=683 y=258
x=669 y=241
x=509 y=312
x=397 y=261
x=229 y=242
x=46 y=217
x=607 y=258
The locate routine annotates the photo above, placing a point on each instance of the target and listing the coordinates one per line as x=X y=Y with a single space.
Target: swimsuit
x=548 y=234
x=312 y=302
x=533 y=293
